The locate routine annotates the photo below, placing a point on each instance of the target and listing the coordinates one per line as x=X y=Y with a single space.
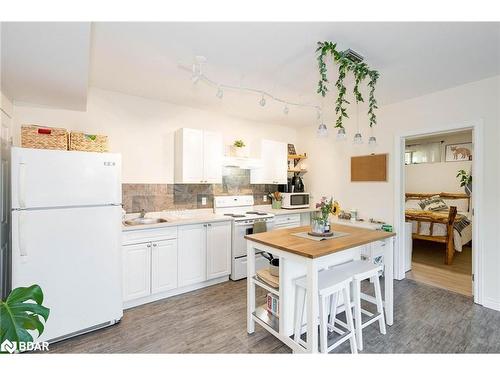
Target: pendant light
x=372 y=141
x=358 y=138
x=341 y=136
x=322 y=131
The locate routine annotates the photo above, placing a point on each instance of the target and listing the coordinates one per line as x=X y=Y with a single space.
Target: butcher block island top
x=284 y=239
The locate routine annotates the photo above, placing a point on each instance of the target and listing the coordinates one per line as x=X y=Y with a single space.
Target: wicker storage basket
x=33 y=136
x=88 y=142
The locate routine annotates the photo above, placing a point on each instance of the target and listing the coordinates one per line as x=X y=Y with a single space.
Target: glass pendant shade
x=322 y=131
x=341 y=134
x=372 y=141
x=358 y=139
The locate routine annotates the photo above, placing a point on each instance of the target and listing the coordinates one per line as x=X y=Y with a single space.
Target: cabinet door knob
x=155 y=244
x=149 y=245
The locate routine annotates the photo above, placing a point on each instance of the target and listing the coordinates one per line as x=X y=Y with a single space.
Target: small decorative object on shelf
x=344 y=215
x=238 y=149
x=291 y=149
x=272 y=304
x=276 y=198
x=321 y=222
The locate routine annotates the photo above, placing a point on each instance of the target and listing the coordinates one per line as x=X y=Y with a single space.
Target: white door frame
x=477 y=202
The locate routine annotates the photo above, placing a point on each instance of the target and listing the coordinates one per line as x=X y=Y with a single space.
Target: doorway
x=432 y=156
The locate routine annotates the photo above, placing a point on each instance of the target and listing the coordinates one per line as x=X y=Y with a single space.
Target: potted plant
x=238 y=149
x=19 y=314
x=465 y=181
x=276 y=198
x=321 y=222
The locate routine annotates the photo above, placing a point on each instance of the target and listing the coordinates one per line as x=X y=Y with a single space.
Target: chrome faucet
x=143 y=213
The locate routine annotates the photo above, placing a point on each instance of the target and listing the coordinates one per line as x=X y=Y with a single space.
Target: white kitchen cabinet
x=163 y=266
x=192 y=253
x=136 y=271
x=218 y=249
x=213 y=151
x=274 y=156
x=198 y=156
x=287 y=221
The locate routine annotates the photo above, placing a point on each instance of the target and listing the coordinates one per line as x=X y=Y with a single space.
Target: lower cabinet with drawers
x=159 y=263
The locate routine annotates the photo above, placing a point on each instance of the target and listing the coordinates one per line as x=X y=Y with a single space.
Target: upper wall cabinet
x=274 y=163
x=198 y=157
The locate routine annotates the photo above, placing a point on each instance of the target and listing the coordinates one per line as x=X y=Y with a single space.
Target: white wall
x=329 y=161
x=435 y=177
x=142 y=129
x=441 y=176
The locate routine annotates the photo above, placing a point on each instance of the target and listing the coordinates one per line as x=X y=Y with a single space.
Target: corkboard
x=369 y=168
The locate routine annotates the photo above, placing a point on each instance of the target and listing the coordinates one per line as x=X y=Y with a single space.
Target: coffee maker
x=297 y=184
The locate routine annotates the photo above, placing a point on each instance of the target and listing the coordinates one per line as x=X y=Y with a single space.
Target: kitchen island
x=303 y=256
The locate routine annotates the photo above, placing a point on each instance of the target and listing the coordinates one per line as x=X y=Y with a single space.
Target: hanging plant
x=360 y=72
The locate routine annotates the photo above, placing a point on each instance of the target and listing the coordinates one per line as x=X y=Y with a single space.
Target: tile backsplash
x=159 y=197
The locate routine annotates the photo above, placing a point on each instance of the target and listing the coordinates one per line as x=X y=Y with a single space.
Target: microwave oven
x=295 y=200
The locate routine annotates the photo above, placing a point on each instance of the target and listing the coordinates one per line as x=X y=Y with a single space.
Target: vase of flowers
x=321 y=222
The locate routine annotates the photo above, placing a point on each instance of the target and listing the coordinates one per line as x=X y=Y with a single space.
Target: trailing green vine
x=360 y=71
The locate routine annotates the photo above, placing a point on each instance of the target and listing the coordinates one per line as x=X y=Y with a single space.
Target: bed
x=451 y=226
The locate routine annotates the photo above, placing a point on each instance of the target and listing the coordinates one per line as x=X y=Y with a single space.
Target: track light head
x=220 y=93
x=286 y=110
x=262 y=101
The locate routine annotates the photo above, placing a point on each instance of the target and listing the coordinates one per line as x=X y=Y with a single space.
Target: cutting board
x=265 y=276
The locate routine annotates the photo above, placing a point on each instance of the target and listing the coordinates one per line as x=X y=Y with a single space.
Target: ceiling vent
x=353 y=56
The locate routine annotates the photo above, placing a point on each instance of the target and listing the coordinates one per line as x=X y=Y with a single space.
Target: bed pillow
x=412 y=204
x=435 y=203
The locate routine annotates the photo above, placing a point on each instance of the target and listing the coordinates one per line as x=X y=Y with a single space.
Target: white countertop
x=284 y=211
x=174 y=218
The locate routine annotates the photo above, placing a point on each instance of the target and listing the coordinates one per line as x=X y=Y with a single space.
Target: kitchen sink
x=144 y=221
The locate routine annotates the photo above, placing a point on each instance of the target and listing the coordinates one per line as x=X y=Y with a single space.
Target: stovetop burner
x=256 y=213
x=234 y=215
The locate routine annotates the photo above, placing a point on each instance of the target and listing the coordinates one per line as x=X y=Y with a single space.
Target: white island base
x=294 y=264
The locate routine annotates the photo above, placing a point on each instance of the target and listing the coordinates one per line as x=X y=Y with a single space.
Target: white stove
x=244 y=215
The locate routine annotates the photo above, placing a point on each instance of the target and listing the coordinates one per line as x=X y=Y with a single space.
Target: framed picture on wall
x=459 y=152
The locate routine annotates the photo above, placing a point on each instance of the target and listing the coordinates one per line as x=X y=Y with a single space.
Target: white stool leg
x=333 y=310
x=300 y=301
x=380 y=306
x=348 y=316
x=357 y=312
x=323 y=326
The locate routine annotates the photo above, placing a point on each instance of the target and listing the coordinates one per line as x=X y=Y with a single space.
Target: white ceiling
x=46 y=63
x=413 y=58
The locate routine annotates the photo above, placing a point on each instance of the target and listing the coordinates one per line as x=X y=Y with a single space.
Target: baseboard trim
x=173 y=292
x=491 y=304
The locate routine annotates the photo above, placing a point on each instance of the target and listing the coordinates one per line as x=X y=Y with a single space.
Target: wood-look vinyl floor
x=213 y=320
x=428 y=267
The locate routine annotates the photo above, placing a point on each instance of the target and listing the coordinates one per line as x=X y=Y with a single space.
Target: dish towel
x=259 y=227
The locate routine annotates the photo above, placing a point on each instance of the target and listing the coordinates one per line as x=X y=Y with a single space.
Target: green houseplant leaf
x=18 y=315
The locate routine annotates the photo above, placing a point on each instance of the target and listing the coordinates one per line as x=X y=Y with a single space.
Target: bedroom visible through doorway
x=438 y=210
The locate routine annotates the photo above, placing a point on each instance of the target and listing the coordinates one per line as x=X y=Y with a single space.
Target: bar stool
x=362 y=270
x=330 y=284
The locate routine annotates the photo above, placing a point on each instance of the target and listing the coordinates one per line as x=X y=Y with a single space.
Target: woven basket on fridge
x=33 y=136
x=88 y=142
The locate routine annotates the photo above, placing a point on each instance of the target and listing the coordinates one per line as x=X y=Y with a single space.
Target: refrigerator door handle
x=20 y=237
x=22 y=185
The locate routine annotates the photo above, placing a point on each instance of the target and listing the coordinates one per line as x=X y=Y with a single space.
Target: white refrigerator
x=66 y=236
